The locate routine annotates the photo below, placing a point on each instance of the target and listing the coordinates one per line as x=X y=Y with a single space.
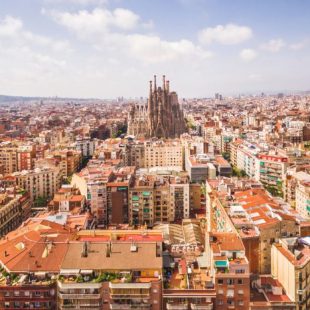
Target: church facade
x=160 y=117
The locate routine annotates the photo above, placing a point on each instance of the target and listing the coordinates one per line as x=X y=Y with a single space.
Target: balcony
x=79 y=296
x=202 y=306
x=129 y=306
x=81 y=306
x=177 y=306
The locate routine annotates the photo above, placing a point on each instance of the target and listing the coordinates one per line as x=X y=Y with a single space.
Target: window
x=240 y=271
x=240 y=302
x=240 y=281
x=230 y=281
x=220 y=302
x=220 y=281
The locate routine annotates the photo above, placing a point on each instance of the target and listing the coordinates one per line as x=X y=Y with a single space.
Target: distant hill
x=5 y=98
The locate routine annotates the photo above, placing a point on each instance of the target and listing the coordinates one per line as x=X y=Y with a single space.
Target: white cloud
x=79 y=2
x=248 y=54
x=274 y=45
x=97 y=21
x=104 y=30
x=26 y=57
x=227 y=34
x=153 y=49
x=9 y=26
x=298 y=45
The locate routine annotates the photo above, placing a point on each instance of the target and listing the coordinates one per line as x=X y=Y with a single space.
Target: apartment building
x=86 y=146
x=58 y=268
x=255 y=216
x=290 y=259
x=8 y=157
x=271 y=170
x=92 y=182
x=163 y=153
x=117 y=194
x=230 y=270
x=39 y=183
x=154 y=198
x=112 y=274
x=67 y=199
x=14 y=208
x=200 y=168
x=68 y=161
x=26 y=155
x=290 y=184
x=141 y=201
x=134 y=154
x=303 y=198
x=30 y=260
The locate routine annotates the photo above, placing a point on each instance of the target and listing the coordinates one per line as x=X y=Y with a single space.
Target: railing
x=129 y=306
x=177 y=306
x=126 y=296
x=78 y=296
x=201 y=306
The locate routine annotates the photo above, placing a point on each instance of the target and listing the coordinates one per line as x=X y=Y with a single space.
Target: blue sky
x=110 y=48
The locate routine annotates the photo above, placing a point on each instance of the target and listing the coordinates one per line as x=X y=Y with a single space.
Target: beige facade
x=163 y=153
x=43 y=183
x=8 y=157
x=290 y=265
x=158 y=199
x=303 y=199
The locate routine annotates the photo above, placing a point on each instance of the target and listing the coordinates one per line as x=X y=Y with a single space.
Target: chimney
x=84 y=250
x=109 y=249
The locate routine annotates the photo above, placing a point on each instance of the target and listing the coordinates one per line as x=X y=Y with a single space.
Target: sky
x=112 y=48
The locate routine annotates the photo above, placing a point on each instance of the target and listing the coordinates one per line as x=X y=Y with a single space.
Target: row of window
x=230 y=281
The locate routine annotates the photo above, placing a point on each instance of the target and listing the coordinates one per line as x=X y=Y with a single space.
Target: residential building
x=229 y=267
x=290 y=261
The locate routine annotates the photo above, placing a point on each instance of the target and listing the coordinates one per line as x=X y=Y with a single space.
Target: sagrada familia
x=160 y=117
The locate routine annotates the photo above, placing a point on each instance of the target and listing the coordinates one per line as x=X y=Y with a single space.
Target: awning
x=86 y=271
x=70 y=271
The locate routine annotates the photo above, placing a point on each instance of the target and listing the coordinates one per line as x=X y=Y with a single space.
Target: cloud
x=121 y=32
x=274 y=45
x=248 y=54
x=79 y=2
x=298 y=45
x=97 y=21
x=26 y=57
x=153 y=49
x=227 y=34
x=9 y=26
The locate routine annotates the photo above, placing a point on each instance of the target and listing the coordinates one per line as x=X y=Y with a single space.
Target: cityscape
x=164 y=174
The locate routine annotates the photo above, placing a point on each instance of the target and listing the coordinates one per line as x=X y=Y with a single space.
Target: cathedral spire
x=155 y=87
x=167 y=86
x=151 y=90
x=164 y=82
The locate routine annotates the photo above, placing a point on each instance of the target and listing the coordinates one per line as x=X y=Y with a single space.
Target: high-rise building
x=161 y=117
